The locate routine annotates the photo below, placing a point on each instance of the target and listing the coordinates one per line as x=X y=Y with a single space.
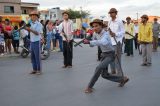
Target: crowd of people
x=108 y=37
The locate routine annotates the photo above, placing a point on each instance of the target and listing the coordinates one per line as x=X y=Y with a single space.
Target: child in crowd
x=16 y=37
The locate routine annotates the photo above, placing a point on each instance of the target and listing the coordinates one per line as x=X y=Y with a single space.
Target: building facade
x=10 y=7
x=55 y=14
x=15 y=10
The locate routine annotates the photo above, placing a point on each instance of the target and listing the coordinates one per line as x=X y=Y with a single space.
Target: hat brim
x=34 y=14
x=91 y=24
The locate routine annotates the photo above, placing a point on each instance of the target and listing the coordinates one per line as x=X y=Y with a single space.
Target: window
x=54 y=15
x=8 y=9
x=24 y=11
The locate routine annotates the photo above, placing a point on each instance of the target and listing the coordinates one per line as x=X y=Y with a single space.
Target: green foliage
x=77 y=14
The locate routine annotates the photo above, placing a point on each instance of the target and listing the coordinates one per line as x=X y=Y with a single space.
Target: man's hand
x=127 y=32
x=28 y=28
x=112 y=34
x=85 y=41
x=62 y=33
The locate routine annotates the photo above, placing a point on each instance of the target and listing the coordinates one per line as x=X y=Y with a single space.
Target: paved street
x=64 y=87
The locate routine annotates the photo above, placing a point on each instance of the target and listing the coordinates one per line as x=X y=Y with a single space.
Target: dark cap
x=128 y=18
x=155 y=19
x=113 y=10
x=7 y=20
x=65 y=12
x=144 y=16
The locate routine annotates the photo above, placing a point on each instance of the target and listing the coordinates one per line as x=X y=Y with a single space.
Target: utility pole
x=137 y=16
x=81 y=14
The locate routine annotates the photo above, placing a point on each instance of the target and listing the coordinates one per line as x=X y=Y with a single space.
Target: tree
x=78 y=14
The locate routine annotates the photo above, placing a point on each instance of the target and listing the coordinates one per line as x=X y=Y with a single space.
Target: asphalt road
x=64 y=87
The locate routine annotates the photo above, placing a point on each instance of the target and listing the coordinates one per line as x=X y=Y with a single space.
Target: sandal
x=124 y=81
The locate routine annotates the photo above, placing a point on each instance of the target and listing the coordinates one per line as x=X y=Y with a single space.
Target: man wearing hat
x=145 y=38
x=35 y=37
x=108 y=56
x=129 y=28
x=117 y=30
x=66 y=29
x=156 y=31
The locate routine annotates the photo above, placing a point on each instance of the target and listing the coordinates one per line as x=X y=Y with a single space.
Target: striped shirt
x=67 y=28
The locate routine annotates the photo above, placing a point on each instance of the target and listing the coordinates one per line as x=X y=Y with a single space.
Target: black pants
x=137 y=45
x=1 y=48
x=129 y=47
x=15 y=43
x=136 y=41
x=68 y=53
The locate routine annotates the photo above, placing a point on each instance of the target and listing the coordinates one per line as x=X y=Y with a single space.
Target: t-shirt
x=7 y=34
x=23 y=33
x=16 y=35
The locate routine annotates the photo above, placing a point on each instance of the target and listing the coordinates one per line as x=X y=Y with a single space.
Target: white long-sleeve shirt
x=117 y=27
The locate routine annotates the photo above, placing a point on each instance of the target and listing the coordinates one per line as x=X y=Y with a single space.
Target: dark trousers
x=68 y=53
x=1 y=48
x=35 y=55
x=99 y=53
x=15 y=43
x=136 y=41
x=26 y=42
x=137 y=45
x=102 y=69
x=129 y=47
x=54 y=43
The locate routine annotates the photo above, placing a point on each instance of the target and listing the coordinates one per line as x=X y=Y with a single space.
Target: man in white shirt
x=117 y=30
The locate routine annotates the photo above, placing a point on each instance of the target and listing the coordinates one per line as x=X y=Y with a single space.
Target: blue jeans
x=49 y=38
x=57 y=36
x=60 y=43
x=36 y=55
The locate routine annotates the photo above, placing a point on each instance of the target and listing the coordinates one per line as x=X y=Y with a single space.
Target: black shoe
x=33 y=72
x=144 y=64
x=65 y=66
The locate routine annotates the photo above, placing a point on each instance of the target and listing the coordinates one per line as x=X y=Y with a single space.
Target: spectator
x=24 y=35
x=16 y=37
x=156 y=31
x=7 y=35
x=49 y=32
x=1 y=38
